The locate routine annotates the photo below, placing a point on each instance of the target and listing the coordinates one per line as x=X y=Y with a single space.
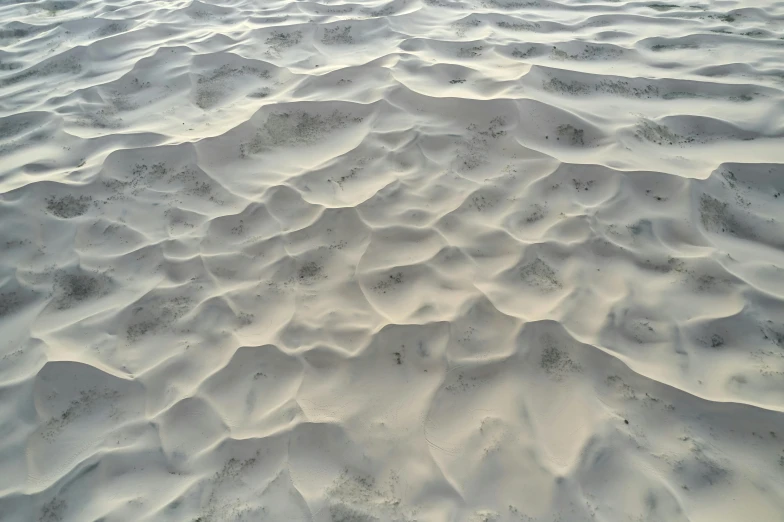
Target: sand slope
x=415 y=260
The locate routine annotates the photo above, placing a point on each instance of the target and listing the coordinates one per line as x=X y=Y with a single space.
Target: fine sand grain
x=391 y=260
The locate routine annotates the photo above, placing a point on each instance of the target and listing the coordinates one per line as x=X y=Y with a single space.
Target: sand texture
x=407 y=260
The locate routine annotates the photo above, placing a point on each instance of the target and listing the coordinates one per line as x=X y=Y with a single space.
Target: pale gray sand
x=415 y=260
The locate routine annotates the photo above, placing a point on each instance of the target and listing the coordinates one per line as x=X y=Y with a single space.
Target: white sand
x=415 y=260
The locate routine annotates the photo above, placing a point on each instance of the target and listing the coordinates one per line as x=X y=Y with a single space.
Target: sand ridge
x=406 y=260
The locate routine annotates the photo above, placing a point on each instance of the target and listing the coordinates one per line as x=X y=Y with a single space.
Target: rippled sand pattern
x=416 y=260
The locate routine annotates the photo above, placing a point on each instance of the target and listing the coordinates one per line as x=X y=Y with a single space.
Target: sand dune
x=407 y=260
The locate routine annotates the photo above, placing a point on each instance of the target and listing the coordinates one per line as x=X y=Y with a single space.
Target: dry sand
x=414 y=260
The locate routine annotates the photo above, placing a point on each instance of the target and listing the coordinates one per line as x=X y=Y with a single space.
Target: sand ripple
x=432 y=260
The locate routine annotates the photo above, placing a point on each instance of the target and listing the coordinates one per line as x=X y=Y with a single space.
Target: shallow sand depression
x=413 y=260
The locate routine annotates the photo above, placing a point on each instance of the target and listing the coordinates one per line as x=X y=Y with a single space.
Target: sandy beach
x=406 y=260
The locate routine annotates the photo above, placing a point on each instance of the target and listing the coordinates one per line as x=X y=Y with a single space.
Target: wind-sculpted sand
x=416 y=260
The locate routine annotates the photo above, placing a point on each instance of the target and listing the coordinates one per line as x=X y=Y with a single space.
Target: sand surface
x=407 y=260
